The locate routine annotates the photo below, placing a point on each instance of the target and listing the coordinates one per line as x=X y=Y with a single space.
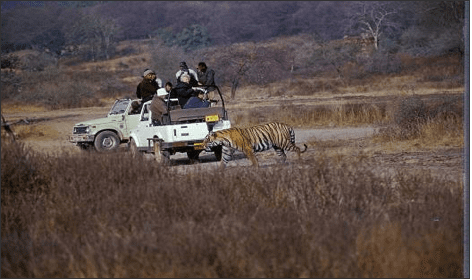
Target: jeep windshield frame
x=119 y=107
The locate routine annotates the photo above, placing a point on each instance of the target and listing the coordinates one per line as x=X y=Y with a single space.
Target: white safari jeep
x=182 y=130
x=106 y=134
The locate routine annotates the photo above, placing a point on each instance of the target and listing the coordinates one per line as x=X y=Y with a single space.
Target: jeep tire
x=193 y=155
x=106 y=141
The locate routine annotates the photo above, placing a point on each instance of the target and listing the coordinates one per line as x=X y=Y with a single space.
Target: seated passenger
x=158 y=108
x=165 y=92
x=197 y=102
x=183 y=90
x=185 y=70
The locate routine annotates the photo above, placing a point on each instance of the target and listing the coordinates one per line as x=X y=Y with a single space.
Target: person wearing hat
x=185 y=70
x=148 y=86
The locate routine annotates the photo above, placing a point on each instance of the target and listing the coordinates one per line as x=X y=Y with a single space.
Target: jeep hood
x=95 y=122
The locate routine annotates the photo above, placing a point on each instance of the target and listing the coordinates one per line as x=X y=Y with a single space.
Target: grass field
x=389 y=206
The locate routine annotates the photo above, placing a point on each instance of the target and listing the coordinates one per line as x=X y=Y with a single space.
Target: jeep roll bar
x=205 y=87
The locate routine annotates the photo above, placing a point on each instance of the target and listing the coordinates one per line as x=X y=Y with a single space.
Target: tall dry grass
x=350 y=114
x=103 y=216
x=426 y=124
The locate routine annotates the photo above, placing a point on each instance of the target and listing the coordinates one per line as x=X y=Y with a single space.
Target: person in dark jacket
x=183 y=90
x=185 y=70
x=206 y=78
x=197 y=102
x=147 y=87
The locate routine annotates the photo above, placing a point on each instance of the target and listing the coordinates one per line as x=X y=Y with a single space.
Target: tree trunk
x=234 y=86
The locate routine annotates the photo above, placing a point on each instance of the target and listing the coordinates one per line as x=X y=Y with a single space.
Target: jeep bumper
x=81 y=138
x=177 y=146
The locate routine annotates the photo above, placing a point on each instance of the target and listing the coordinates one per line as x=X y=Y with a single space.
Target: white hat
x=147 y=72
x=162 y=92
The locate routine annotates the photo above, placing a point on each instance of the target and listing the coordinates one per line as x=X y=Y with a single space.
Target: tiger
x=254 y=139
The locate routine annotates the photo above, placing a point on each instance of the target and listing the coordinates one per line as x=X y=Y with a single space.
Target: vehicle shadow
x=182 y=159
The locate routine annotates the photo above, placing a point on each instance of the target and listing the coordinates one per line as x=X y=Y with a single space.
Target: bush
x=410 y=115
x=21 y=170
x=383 y=62
x=38 y=62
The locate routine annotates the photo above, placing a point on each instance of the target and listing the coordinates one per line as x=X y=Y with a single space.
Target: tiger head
x=211 y=141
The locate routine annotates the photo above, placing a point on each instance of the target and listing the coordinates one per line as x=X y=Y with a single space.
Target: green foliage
x=193 y=37
x=53 y=40
x=190 y=38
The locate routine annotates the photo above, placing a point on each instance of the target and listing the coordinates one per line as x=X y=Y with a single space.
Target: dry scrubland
x=334 y=213
x=87 y=216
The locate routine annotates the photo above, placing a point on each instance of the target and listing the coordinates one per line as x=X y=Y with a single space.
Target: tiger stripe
x=278 y=136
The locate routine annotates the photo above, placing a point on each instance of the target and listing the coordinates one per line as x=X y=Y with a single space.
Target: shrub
x=38 y=62
x=383 y=62
x=21 y=169
x=410 y=115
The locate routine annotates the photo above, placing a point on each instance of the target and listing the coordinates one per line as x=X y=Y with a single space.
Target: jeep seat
x=195 y=114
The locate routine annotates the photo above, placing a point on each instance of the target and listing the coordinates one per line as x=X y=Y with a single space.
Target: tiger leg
x=250 y=155
x=280 y=152
x=226 y=155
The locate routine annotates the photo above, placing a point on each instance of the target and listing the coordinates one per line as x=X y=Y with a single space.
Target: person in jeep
x=185 y=70
x=145 y=90
x=148 y=86
x=183 y=90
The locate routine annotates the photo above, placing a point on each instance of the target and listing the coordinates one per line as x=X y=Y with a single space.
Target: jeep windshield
x=119 y=107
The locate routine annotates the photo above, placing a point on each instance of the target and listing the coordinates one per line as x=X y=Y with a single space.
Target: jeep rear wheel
x=193 y=155
x=107 y=141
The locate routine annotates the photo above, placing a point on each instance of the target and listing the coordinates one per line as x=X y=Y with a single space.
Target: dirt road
x=49 y=134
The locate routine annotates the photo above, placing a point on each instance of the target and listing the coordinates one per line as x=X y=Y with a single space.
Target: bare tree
x=95 y=32
x=234 y=63
x=372 y=18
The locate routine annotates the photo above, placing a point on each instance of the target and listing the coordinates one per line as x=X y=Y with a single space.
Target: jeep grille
x=80 y=129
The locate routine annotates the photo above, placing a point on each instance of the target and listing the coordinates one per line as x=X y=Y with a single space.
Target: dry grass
x=98 y=216
x=350 y=114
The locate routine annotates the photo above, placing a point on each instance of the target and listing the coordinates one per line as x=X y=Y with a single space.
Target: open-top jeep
x=181 y=130
x=106 y=134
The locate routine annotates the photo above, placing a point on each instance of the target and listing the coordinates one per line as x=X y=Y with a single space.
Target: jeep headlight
x=82 y=129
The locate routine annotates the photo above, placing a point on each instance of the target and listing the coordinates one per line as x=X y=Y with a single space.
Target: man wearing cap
x=185 y=70
x=148 y=86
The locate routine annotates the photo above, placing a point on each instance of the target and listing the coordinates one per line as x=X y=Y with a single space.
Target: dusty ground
x=49 y=133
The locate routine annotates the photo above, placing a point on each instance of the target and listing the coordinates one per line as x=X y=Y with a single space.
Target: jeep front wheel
x=107 y=141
